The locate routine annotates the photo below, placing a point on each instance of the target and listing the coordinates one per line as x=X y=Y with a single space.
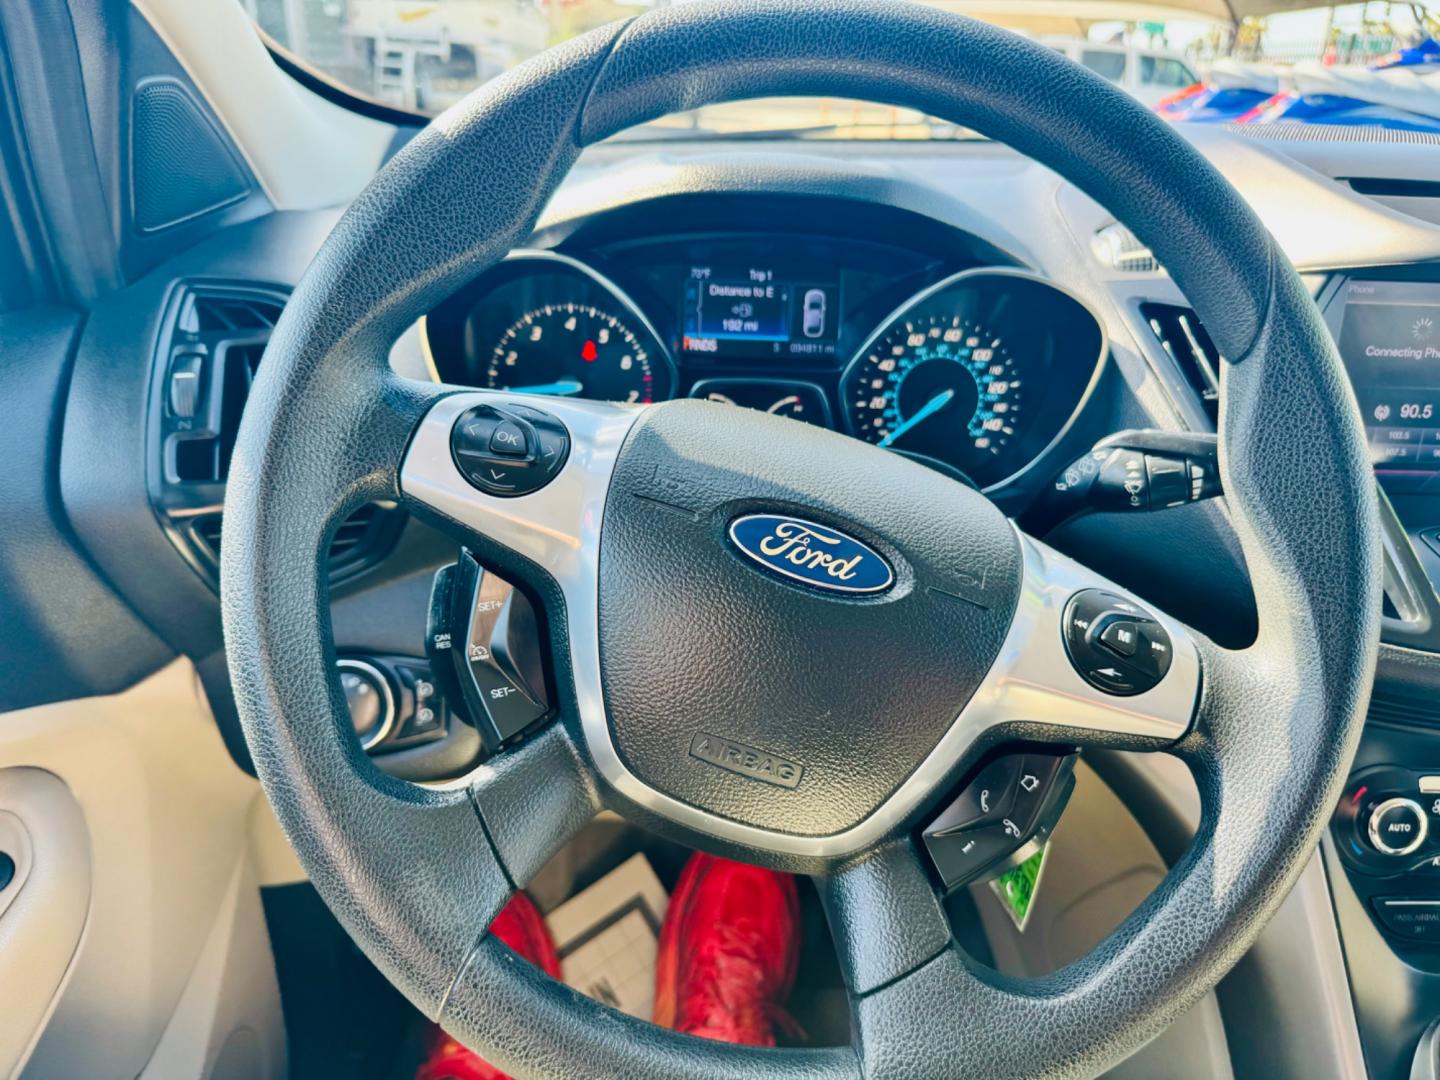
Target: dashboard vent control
x=1186 y=342
x=185 y=371
x=1117 y=247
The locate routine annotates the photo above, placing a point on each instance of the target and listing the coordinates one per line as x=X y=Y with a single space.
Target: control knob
x=1397 y=826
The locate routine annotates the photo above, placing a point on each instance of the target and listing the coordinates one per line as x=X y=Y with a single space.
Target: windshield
x=423 y=56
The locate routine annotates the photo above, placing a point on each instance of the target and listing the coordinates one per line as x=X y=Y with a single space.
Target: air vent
x=361 y=541
x=1394 y=188
x=1183 y=338
x=204 y=312
x=1393 y=710
x=209 y=359
x=219 y=336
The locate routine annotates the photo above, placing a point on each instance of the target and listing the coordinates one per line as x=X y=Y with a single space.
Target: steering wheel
x=661 y=631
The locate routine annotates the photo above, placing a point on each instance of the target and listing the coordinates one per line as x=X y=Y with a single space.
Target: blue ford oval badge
x=813 y=554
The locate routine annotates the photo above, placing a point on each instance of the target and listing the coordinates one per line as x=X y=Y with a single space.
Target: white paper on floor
x=607 y=937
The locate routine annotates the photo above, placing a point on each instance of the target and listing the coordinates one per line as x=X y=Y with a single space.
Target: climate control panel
x=1388 y=821
x=1387 y=830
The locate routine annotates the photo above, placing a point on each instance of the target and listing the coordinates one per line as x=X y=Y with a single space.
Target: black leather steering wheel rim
x=415 y=874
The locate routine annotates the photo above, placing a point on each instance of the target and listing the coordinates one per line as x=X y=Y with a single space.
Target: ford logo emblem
x=815 y=555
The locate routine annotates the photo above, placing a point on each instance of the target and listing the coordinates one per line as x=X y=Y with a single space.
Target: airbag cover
x=765 y=696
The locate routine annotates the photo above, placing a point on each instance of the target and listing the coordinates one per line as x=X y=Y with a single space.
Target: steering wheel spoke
x=496 y=498
x=884 y=915
x=533 y=798
x=1086 y=664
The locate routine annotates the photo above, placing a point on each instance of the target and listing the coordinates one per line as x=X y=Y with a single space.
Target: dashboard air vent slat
x=362 y=539
x=1185 y=341
x=1394 y=710
x=217 y=339
x=209 y=312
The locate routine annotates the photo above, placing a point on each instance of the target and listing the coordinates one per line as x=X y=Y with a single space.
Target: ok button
x=509 y=439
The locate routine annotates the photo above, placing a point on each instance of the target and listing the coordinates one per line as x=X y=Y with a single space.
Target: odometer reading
x=572 y=349
x=939 y=384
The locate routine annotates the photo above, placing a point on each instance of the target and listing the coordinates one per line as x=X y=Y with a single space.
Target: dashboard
x=851 y=288
x=973 y=369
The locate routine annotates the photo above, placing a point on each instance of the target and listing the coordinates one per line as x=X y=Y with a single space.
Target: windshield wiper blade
x=659 y=133
x=838 y=132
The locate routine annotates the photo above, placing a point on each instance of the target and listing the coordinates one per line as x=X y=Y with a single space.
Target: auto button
x=1397 y=826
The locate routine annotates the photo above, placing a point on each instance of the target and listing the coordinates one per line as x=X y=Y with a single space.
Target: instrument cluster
x=975 y=371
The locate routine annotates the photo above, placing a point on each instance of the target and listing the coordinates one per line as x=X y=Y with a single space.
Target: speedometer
x=982 y=372
x=938 y=384
x=572 y=349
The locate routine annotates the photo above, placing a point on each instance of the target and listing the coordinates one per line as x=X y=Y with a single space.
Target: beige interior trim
x=271 y=855
x=229 y=1022
x=305 y=151
x=168 y=818
x=43 y=908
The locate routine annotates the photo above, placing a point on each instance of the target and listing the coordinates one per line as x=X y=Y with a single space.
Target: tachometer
x=939 y=384
x=572 y=349
x=546 y=323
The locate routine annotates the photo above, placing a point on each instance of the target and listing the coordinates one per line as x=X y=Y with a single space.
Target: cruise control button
x=497 y=697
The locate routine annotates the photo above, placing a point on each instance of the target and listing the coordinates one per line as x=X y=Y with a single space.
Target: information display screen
x=739 y=311
x=1390 y=342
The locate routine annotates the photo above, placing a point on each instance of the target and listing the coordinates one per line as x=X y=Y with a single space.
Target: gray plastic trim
x=558 y=528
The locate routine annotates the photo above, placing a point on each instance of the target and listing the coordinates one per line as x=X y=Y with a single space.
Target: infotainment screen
x=745 y=311
x=1390 y=342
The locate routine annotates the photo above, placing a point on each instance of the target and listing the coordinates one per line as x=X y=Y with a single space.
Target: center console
x=1384 y=844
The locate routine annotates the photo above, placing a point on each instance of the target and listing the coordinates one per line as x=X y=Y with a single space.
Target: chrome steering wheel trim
x=1032 y=682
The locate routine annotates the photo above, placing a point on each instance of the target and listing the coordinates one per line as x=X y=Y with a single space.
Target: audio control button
x=1114 y=644
x=508 y=450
